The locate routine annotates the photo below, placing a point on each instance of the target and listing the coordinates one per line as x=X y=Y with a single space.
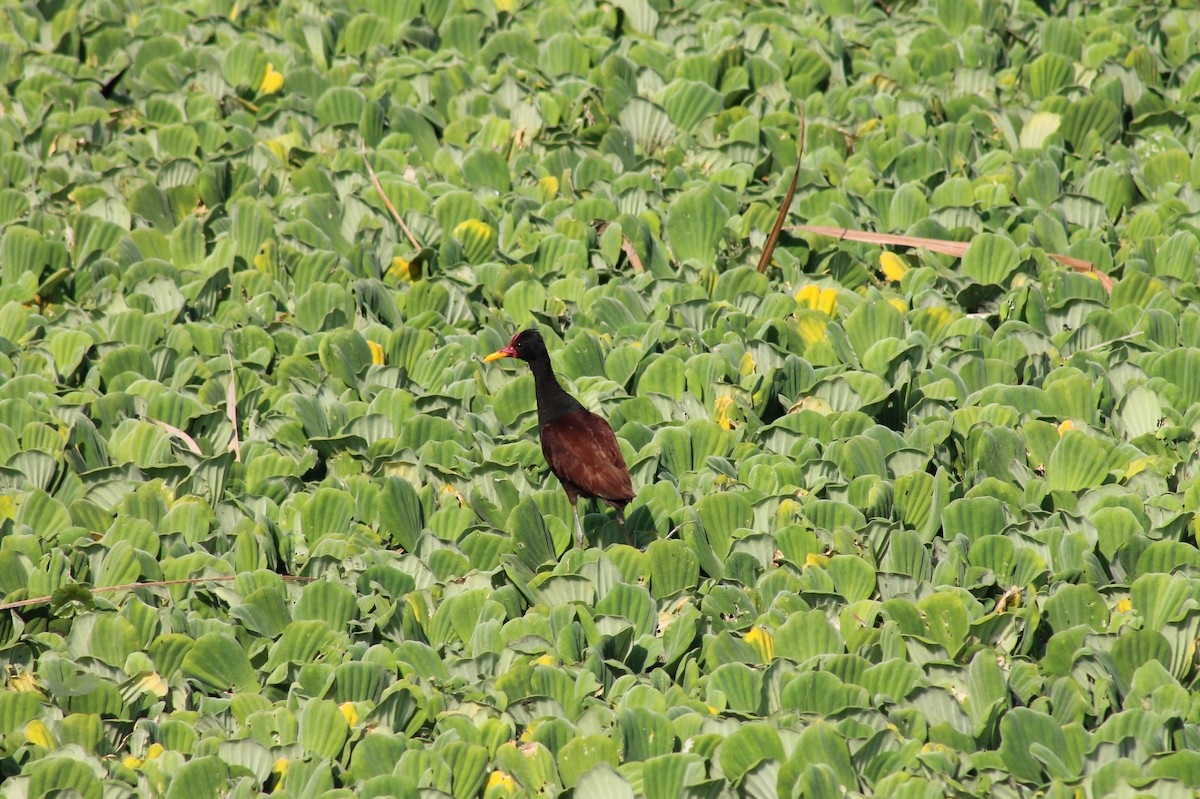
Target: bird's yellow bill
x=497 y=355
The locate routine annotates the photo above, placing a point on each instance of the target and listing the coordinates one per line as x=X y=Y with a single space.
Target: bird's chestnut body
x=579 y=446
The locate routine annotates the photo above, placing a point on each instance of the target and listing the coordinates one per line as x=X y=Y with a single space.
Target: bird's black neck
x=552 y=401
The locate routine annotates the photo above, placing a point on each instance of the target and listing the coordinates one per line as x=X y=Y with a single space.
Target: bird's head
x=526 y=345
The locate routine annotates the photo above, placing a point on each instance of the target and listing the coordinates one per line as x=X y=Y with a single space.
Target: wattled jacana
x=579 y=446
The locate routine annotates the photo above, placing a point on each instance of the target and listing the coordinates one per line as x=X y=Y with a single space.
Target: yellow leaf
x=549 y=186
x=24 y=682
x=37 y=733
x=868 y=126
x=498 y=779
x=544 y=660
x=892 y=265
x=807 y=295
x=474 y=226
x=403 y=270
x=1139 y=465
x=508 y=6
x=813 y=559
x=377 y=354
x=898 y=304
x=812 y=330
x=787 y=509
x=8 y=508
x=747 y=365
x=153 y=683
x=132 y=762
x=418 y=608
x=277 y=148
x=940 y=315
x=154 y=751
x=272 y=81
x=721 y=408
x=883 y=83
x=1124 y=606
x=454 y=492
x=819 y=299
x=1065 y=426
x=827 y=302
x=349 y=713
x=280 y=767
x=764 y=644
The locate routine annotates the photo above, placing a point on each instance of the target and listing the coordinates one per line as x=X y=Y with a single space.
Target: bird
x=579 y=446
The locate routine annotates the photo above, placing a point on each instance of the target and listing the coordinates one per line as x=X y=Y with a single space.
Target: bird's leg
x=579 y=540
x=624 y=529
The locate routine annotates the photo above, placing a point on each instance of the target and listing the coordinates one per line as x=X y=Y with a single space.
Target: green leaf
x=219 y=662
x=400 y=512
x=741 y=687
x=748 y=746
x=340 y=105
x=695 y=226
x=252 y=226
x=584 y=753
x=990 y=259
x=648 y=123
x=720 y=515
x=665 y=777
x=323 y=729
x=1177 y=256
x=326 y=512
x=564 y=54
x=673 y=568
x=974 y=518
x=1020 y=730
x=203 y=776
x=601 y=783
x=1091 y=116
x=1078 y=461
x=853 y=577
x=872 y=322
x=245 y=65
x=53 y=775
x=1047 y=74
x=1074 y=605
x=331 y=602
x=821 y=744
x=947 y=620
x=365 y=32
x=23 y=255
x=644 y=734
x=487 y=168
x=1135 y=648
x=1160 y=598
x=688 y=102
x=806 y=635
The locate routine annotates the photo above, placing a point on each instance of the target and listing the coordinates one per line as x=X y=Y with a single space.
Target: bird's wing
x=582 y=450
